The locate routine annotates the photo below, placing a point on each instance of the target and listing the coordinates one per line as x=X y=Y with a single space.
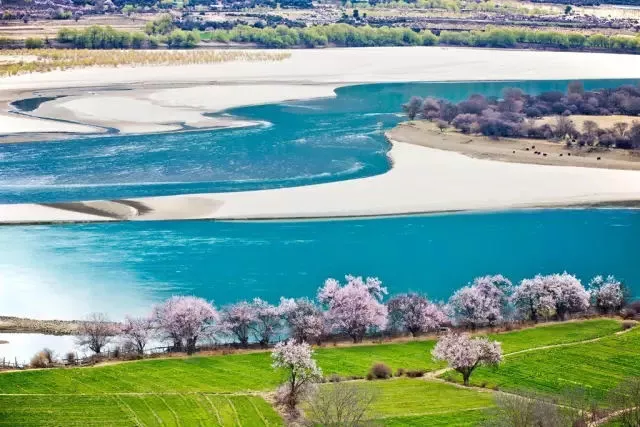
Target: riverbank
x=10 y=324
x=520 y=150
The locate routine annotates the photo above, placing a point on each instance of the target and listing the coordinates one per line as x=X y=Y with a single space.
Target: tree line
x=99 y=37
x=358 y=36
x=163 y=31
x=514 y=115
x=354 y=309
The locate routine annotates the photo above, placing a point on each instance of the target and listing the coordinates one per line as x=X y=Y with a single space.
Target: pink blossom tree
x=138 y=331
x=464 y=354
x=532 y=299
x=296 y=360
x=267 y=320
x=184 y=318
x=607 y=295
x=483 y=302
x=544 y=296
x=568 y=294
x=238 y=320
x=305 y=319
x=356 y=307
x=415 y=313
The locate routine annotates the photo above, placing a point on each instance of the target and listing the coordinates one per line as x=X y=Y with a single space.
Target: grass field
x=597 y=367
x=417 y=402
x=189 y=391
x=128 y=410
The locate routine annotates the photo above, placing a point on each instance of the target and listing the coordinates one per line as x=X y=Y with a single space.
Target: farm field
x=231 y=389
x=127 y=410
x=597 y=367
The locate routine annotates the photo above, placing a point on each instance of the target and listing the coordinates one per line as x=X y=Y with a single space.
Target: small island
x=599 y=128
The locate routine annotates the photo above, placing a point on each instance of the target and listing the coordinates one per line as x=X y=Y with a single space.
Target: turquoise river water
x=69 y=270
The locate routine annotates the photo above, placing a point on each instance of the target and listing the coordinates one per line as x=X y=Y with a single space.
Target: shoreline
x=513 y=150
x=24 y=325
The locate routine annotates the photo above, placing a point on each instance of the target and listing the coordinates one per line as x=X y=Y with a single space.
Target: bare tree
x=590 y=131
x=626 y=399
x=527 y=411
x=340 y=404
x=96 y=332
x=620 y=128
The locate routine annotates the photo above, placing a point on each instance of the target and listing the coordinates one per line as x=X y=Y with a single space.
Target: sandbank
x=422 y=180
x=515 y=150
x=161 y=98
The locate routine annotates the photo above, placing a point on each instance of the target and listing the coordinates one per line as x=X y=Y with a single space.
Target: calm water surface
x=67 y=271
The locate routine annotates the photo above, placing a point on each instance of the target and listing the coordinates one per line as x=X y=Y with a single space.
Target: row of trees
x=99 y=37
x=347 y=35
x=509 y=115
x=354 y=309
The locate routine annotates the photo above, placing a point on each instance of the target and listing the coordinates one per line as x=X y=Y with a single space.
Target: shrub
x=334 y=378
x=400 y=372
x=33 y=43
x=415 y=373
x=379 y=371
x=42 y=359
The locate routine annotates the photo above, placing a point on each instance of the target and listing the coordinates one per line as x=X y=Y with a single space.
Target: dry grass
x=604 y=122
x=14 y=62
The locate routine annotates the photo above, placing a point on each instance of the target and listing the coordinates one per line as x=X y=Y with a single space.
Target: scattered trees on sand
x=464 y=354
x=515 y=114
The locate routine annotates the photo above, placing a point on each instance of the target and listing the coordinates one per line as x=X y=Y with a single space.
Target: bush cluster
x=379 y=371
x=508 y=116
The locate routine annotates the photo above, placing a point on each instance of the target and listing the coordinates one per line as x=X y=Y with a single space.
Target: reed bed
x=14 y=62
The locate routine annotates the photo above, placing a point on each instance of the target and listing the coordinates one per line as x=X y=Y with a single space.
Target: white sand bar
x=422 y=180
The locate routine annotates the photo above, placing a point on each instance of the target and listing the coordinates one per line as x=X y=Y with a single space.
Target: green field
x=195 y=390
x=415 y=397
x=597 y=367
x=129 y=410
